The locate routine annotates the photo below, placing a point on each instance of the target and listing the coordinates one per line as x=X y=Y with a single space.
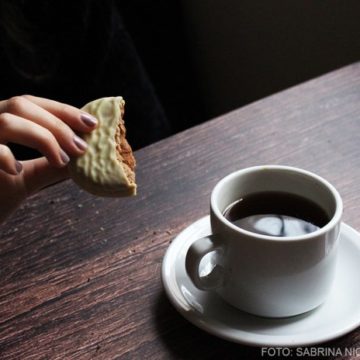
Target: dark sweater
x=84 y=56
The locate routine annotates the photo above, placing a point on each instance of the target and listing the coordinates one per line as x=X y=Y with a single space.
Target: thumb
x=38 y=174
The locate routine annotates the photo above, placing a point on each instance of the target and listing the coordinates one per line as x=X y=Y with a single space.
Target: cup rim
x=333 y=221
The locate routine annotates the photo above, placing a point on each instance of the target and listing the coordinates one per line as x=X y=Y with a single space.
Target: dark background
x=201 y=58
x=208 y=57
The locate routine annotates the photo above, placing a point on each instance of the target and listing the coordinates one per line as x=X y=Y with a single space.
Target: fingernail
x=88 y=120
x=64 y=156
x=80 y=143
x=18 y=166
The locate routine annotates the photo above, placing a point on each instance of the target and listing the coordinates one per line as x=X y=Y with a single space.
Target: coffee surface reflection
x=276 y=214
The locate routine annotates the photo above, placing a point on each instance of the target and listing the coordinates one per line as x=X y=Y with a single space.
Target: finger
x=71 y=143
x=74 y=117
x=38 y=174
x=25 y=132
x=8 y=162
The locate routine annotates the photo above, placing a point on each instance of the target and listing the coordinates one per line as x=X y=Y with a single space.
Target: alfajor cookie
x=107 y=168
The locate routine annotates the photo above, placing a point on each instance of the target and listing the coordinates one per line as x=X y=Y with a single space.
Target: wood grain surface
x=80 y=275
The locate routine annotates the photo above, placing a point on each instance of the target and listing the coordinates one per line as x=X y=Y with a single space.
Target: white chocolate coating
x=99 y=171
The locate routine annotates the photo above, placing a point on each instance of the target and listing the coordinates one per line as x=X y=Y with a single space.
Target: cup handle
x=196 y=252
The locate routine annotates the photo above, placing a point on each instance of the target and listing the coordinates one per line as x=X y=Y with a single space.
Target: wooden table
x=80 y=275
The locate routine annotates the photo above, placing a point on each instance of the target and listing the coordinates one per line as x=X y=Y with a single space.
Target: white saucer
x=337 y=316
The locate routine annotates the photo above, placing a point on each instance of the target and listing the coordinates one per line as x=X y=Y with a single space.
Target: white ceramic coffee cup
x=268 y=275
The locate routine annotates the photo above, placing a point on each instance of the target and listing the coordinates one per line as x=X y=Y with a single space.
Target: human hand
x=47 y=126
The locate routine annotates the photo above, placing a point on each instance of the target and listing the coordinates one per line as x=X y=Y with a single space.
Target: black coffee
x=276 y=214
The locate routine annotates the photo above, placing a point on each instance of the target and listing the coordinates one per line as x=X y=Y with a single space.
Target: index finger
x=74 y=117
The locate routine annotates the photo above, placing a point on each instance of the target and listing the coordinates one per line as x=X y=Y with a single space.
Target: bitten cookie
x=107 y=167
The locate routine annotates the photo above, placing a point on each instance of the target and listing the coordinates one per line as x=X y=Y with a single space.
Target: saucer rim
x=203 y=325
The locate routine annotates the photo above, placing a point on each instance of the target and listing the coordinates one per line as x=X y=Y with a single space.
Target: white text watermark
x=310 y=351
